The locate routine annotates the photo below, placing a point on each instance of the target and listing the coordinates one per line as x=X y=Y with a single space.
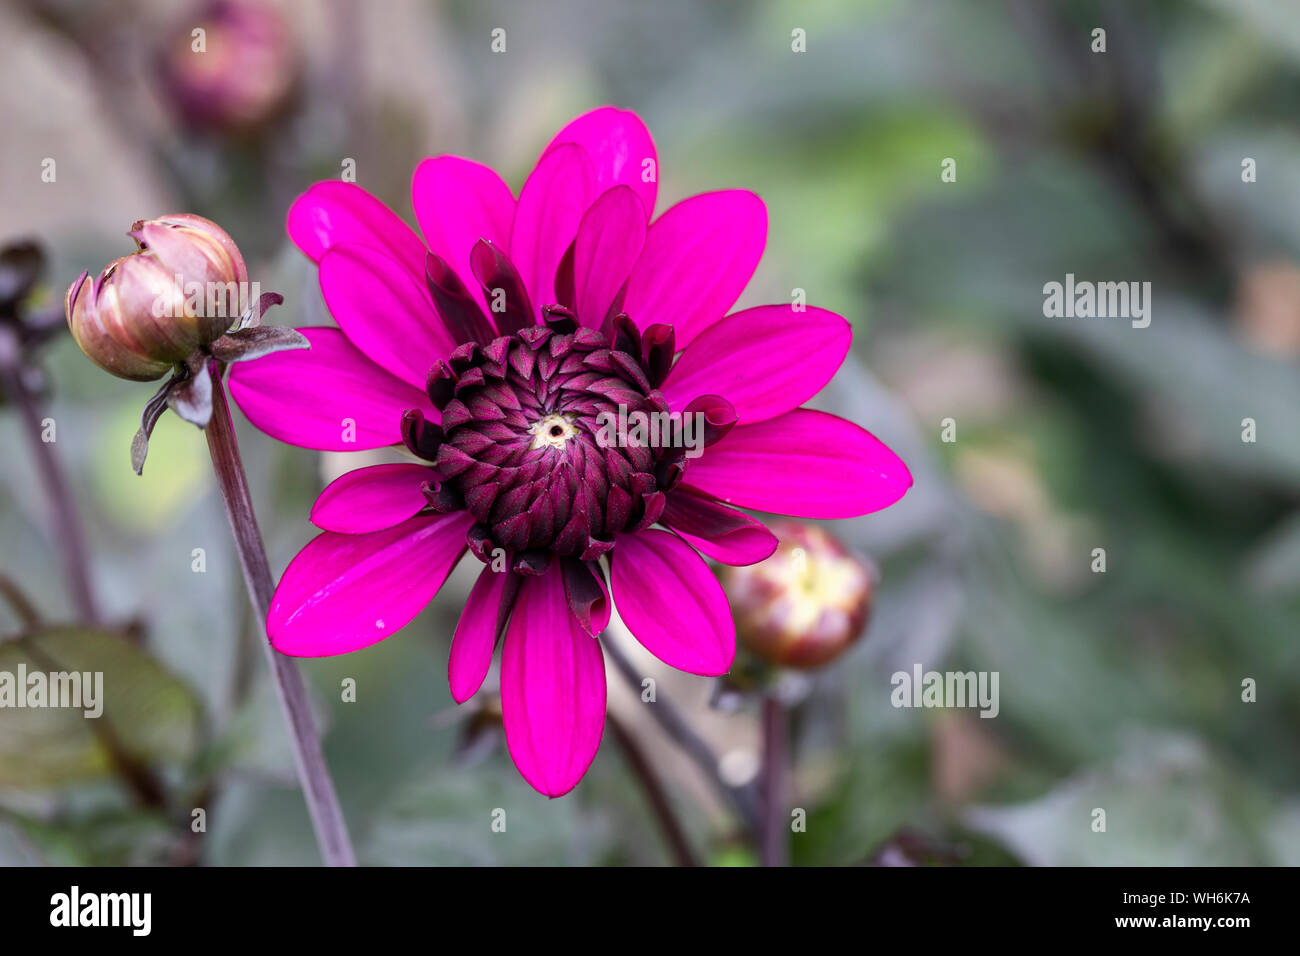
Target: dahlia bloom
x=494 y=349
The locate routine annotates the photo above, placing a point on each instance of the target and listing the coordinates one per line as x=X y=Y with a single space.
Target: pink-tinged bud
x=806 y=604
x=181 y=290
x=237 y=75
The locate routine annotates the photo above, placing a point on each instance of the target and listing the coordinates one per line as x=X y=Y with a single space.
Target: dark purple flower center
x=526 y=443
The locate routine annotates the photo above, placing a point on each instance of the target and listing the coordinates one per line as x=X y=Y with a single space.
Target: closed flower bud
x=237 y=76
x=806 y=604
x=181 y=290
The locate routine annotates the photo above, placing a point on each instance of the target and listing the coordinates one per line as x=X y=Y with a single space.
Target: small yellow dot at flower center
x=553 y=431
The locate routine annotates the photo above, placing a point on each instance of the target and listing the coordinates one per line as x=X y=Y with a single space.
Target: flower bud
x=236 y=77
x=181 y=290
x=806 y=604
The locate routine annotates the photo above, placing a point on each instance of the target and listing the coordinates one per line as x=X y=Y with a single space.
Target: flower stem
x=317 y=786
x=28 y=617
x=655 y=794
x=68 y=534
x=774 y=845
x=742 y=798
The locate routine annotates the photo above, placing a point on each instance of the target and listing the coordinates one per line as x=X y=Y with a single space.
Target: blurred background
x=1120 y=690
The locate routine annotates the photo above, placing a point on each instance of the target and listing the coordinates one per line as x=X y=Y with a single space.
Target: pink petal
x=552 y=688
x=476 y=635
x=335 y=212
x=719 y=532
x=457 y=203
x=609 y=241
x=804 y=463
x=372 y=499
x=672 y=603
x=500 y=283
x=344 y=592
x=329 y=397
x=588 y=595
x=384 y=311
x=551 y=205
x=698 y=258
x=765 y=361
x=619 y=146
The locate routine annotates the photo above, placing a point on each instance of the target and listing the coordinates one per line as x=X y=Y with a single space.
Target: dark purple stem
x=69 y=538
x=742 y=797
x=656 y=796
x=774 y=841
x=317 y=786
x=28 y=616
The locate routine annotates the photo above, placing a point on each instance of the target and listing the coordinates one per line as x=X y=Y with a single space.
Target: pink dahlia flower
x=492 y=350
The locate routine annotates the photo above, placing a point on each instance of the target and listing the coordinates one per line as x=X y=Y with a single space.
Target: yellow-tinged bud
x=183 y=288
x=806 y=604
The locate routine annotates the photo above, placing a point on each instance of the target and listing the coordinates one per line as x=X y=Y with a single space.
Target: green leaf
x=455 y=818
x=1167 y=802
x=152 y=715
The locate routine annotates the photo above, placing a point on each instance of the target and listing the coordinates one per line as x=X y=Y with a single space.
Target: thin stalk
x=28 y=617
x=673 y=833
x=317 y=786
x=742 y=798
x=69 y=538
x=774 y=840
